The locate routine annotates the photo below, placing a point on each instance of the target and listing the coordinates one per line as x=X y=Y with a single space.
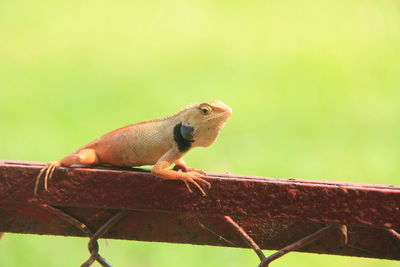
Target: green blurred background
x=314 y=86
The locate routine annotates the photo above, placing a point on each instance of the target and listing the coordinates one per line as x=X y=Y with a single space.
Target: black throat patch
x=182 y=143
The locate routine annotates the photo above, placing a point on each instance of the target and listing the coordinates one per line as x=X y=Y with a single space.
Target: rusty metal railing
x=240 y=211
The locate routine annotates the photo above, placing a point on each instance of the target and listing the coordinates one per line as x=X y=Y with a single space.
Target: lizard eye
x=205 y=110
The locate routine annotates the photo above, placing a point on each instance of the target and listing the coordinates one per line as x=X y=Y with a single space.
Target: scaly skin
x=159 y=142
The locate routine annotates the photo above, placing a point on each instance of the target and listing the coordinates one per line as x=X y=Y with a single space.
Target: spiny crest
x=154 y=120
x=149 y=121
x=177 y=113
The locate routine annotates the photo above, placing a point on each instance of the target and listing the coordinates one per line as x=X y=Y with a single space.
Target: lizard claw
x=47 y=171
x=188 y=186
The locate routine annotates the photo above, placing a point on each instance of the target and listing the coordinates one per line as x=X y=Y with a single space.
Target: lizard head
x=203 y=122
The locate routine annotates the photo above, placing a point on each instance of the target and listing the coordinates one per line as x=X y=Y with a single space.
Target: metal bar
x=327 y=202
x=275 y=212
x=185 y=228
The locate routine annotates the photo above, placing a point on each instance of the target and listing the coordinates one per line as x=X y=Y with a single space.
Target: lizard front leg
x=173 y=155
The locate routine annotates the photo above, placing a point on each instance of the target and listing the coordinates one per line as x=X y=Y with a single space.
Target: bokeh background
x=314 y=86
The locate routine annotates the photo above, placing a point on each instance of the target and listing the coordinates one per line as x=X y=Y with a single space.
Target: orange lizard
x=159 y=142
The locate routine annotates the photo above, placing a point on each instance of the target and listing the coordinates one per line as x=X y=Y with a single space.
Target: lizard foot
x=185 y=168
x=193 y=178
x=47 y=171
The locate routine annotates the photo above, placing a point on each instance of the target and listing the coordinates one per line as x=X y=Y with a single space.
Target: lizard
x=159 y=142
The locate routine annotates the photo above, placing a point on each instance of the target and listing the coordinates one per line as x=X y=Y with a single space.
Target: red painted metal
x=273 y=212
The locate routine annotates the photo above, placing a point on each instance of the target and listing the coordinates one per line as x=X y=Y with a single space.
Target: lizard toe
x=196 y=179
x=47 y=172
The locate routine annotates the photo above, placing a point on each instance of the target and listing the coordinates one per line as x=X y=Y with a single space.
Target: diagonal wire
x=296 y=245
x=81 y=226
x=246 y=237
x=219 y=236
x=92 y=245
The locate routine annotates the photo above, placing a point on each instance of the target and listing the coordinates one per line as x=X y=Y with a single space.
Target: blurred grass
x=314 y=87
